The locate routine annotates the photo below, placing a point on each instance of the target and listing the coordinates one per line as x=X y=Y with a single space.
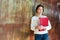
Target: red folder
x=43 y=21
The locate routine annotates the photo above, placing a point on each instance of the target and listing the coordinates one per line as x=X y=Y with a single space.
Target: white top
x=34 y=23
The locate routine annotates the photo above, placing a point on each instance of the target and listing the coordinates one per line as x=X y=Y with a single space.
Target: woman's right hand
x=38 y=27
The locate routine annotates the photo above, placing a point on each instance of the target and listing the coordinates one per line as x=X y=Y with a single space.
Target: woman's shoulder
x=34 y=17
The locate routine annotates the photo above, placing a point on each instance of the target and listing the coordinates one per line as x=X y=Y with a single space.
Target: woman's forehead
x=40 y=8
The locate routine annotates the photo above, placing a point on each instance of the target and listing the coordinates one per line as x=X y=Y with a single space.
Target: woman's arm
x=33 y=24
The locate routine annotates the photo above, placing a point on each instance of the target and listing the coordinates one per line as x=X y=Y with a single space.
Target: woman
x=39 y=35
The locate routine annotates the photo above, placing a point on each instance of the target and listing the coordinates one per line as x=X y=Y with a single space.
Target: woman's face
x=40 y=10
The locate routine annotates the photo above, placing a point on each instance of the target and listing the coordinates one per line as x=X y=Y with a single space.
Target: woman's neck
x=38 y=14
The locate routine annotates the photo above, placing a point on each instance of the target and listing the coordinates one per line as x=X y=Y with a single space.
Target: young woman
x=39 y=35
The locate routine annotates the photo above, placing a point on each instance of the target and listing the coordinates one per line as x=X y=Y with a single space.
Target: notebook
x=43 y=21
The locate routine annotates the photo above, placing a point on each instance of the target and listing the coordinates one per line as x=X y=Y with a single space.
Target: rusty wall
x=15 y=18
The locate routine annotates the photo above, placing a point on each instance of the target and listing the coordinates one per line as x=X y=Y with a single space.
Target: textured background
x=15 y=16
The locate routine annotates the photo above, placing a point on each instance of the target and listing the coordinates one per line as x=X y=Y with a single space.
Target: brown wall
x=15 y=18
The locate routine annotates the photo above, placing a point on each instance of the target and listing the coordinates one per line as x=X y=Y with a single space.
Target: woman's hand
x=40 y=27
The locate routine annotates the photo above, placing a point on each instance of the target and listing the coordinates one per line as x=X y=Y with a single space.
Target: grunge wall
x=15 y=16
